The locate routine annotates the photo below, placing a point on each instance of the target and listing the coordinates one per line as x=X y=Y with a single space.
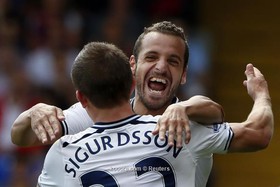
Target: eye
x=150 y=58
x=174 y=62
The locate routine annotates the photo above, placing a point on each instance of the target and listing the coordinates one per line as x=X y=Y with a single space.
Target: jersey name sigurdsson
x=105 y=143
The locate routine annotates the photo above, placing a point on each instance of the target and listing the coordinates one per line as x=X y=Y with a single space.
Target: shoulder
x=76 y=119
x=149 y=119
x=75 y=108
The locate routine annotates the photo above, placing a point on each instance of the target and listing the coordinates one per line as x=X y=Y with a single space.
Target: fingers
x=60 y=115
x=177 y=130
x=252 y=71
x=187 y=133
x=245 y=83
x=156 y=130
x=179 y=136
x=40 y=132
x=171 y=135
x=174 y=123
x=249 y=72
x=52 y=127
x=44 y=132
x=179 y=133
x=55 y=122
x=45 y=122
x=162 y=129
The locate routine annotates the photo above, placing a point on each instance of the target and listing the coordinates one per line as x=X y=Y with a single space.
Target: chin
x=152 y=104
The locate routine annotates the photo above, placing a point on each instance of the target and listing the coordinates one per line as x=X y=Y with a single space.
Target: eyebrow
x=170 y=56
x=151 y=52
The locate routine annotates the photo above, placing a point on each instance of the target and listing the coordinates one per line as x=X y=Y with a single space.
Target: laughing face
x=159 y=70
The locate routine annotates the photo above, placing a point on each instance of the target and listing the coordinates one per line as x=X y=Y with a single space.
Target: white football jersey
x=125 y=153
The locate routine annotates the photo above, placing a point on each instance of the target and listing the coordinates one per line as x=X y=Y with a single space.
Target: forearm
x=21 y=132
x=203 y=110
x=39 y=125
x=261 y=121
x=255 y=132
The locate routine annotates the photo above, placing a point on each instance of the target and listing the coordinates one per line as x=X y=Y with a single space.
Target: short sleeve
x=210 y=139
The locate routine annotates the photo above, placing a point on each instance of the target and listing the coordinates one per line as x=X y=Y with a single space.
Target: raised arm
x=176 y=118
x=255 y=133
x=38 y=125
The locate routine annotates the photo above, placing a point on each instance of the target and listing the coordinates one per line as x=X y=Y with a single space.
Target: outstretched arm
x=176 y=118
x=256 y=132
x=38 y=125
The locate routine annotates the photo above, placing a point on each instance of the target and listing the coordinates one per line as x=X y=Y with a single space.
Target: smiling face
x=159 y=71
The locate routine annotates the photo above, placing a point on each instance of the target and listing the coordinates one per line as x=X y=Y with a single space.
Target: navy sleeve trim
x=64 y=128
x=230 y=137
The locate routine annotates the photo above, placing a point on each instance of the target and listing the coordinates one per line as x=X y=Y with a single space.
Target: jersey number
x=153 y=164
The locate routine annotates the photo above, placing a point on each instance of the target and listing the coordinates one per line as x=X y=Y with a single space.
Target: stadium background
x=39 y=40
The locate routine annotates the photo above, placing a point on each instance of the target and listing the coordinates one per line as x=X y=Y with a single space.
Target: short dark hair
x=101 y=71
x=164 y=27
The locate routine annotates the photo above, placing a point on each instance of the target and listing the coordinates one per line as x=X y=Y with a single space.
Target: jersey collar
x=115 y=124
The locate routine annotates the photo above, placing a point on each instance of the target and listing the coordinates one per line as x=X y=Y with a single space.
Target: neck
x=110 y=114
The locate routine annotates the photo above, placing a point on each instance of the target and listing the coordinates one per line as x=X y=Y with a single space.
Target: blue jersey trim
x=230 y=137
x=65 y=130
x=101 y=126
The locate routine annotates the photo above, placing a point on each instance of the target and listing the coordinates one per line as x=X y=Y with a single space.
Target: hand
x=45 y=122
x=256 y=84
x=176 y=122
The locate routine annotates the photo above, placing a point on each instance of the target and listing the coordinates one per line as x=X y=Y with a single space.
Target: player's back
x=123 y=153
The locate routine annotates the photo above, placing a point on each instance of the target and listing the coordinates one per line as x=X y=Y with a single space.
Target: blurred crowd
x=39 y=39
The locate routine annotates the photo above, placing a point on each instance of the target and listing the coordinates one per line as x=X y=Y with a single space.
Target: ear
x=132 y=62
x=184 y=77
x=82 y=98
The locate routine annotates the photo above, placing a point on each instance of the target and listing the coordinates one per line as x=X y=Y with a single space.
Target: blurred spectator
x=16 y=97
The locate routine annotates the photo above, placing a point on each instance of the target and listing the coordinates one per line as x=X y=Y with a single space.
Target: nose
x=161 y=66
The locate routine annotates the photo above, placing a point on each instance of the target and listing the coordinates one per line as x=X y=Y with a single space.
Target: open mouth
x=157 y=85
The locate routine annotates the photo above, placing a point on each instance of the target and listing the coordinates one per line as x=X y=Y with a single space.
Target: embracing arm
x=203 y=110
x=38 y=125
x=256 y=132
x=176 y=118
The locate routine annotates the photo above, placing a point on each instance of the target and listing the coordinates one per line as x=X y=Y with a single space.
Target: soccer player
x=119 y=149
x=159 y=65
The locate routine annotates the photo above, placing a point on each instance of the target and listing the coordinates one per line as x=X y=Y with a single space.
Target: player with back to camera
x=119 y=148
